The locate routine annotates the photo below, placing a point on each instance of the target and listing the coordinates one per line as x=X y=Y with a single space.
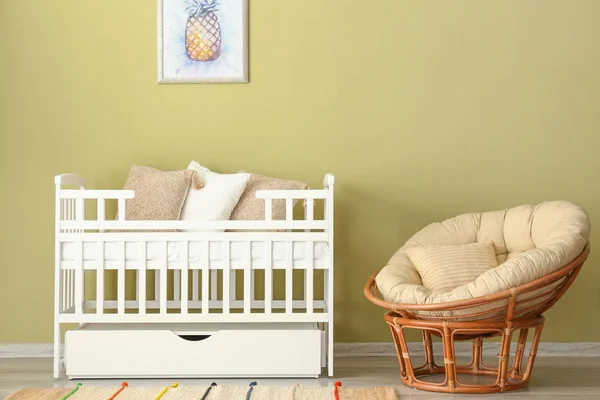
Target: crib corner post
x=328 y=182
x=57 y=280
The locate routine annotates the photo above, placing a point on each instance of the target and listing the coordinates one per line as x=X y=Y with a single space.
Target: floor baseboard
x=545 y=349
x=27 y=350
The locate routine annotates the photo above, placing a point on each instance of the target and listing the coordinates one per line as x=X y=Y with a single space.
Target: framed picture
x=202 y=41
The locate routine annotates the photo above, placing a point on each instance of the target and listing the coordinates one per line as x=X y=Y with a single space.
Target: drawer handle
x=194 y=338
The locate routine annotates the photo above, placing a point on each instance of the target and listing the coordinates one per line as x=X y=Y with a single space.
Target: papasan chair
x=476 y=276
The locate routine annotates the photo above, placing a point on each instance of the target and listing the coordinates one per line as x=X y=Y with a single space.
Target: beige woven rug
x=203 y=393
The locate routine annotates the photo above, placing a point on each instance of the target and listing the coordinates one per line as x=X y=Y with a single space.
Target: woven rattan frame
x=516 y=309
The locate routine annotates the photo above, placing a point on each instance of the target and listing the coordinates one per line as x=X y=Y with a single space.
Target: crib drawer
x=121 y=351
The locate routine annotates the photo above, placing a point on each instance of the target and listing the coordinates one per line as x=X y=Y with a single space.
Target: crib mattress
x=155 y=251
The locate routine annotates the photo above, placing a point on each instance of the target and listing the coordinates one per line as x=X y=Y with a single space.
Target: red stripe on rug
x=336 y=391
x=123 y=386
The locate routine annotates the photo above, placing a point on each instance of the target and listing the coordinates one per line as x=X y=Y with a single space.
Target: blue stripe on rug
x=208 y=391
x=250 y=391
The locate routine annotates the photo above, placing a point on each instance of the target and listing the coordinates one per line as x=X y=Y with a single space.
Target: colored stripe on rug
x=208 y=391
x=252 y=384
x=165 y=390
x=293 y=391
x=72 y=392
x=123 y=386
x=336 y=392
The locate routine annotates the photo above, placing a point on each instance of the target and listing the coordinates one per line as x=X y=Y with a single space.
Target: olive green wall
x=422 y=109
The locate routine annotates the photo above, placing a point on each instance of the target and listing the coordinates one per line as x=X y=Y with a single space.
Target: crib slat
x=233 y=285
x=100 y=280
x=121 y=280
x=309 y=211
x=326 y=289
x=64 y=216
x=226 y=264
x=289 y=284
x=156 y=285
x=289 y=209
x=69 y=288
x=79 y=280
x=195 y=293
x=184 y=279
x=64 y=289
x=141 y=290
x=309 y=278
x=137 y=282
x=213 y=279
x=163 y=281
x=252 y=283
x=268 y=277
x=205 y=287
x=252 y=275
x=101 y=212
x=248 y=284
x=121 y=210
x=268 y=209
x=70 y=209
x=79 y=210
x=176 y=284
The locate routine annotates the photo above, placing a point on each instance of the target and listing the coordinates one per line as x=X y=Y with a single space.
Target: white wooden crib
x=192 y=304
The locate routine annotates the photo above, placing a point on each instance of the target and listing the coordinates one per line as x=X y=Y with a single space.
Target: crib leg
x=56 y=348
x=323 y=328
x=330 y=347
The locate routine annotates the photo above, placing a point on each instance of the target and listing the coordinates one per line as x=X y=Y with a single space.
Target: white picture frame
x=200 y=42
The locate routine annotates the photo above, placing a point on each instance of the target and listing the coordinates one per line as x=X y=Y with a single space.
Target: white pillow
x=216 y=200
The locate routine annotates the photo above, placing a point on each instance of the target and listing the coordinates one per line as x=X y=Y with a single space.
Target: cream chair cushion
x=530 y=241
x=445 y=266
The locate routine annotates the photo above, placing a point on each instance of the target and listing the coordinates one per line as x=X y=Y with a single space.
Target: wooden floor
x=553 y=378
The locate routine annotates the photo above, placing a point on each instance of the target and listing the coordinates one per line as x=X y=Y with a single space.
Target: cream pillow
x=249 y=208
x=445 y=267
x=216 y=200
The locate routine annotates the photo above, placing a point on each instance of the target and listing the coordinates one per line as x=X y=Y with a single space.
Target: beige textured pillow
x=159 y=195
x=249 y=208
x=445 y=267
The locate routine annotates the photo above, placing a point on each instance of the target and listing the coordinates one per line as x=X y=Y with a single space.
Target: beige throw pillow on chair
x=446 y=267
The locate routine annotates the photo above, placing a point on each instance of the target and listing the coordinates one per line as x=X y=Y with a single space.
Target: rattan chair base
x=508 y=377
x=500 y=314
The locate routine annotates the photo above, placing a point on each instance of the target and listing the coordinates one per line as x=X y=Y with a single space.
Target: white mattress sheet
x=156 y=251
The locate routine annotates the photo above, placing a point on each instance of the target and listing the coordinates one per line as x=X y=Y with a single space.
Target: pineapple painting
x=203 y=31
x=202 y=41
